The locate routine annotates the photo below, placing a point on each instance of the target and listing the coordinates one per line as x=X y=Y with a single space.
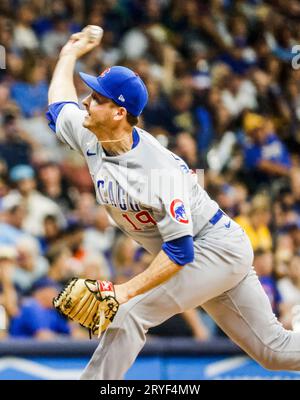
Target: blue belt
x=218 y=215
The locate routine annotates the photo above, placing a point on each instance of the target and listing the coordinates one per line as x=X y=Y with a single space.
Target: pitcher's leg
x=244 y=313
x=217 y=268
x=126 y=336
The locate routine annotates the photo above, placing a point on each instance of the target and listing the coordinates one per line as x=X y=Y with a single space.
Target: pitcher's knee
x=273 y=361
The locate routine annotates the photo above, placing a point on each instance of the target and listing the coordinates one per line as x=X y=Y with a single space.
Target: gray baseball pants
x=222 y=280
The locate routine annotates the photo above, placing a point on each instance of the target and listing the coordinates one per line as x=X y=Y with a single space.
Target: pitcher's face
x=100 y=112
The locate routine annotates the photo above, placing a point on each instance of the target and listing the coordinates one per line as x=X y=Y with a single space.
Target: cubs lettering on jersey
x=111 y=193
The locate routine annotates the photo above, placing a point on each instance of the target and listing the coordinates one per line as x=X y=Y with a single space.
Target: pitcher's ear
x=119 y=113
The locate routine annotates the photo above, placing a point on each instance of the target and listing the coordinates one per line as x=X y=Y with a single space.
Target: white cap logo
x=121 y=98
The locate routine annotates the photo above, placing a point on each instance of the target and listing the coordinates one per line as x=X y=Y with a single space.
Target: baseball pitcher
x=202 y=257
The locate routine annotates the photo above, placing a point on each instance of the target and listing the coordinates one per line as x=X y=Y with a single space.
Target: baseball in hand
x=95 y=32
x=82 y=42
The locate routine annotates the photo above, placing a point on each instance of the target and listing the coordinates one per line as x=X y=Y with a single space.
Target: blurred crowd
x=224 y=94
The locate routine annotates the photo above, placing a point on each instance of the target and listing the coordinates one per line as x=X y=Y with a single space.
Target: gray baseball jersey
x=153 y=197
x=148 y=191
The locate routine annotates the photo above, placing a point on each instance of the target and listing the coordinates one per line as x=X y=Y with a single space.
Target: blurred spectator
x=54 y=39
x=221 y=154
x=37 y=317
x=156 y=105
x=8 y=294
x=186 y=148
x=135 y=42
x=95 y=267
x=283 y=255
x=232 y=198
x=13 y=214
x=54 y=186
x=256 y=223
x=4 y=187
x=225 y=196
x=295 y=189
x=31 y=91
x=239 y=94
x=85 y=206
x=16 y=146
x=60 y=264
x=52 y=233
x=30 y=264
x=37 y=205
x=99 y=237
x=289 y=288
x=24 y=36
x=294 y=230
x=290 y=285
x=266 y=157
x=268 y=93
x=123 y=259
x=264 y=267
x=73 y=237
x=178 y=115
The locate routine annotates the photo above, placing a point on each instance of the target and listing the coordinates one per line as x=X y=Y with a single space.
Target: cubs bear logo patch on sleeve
x=178 y=212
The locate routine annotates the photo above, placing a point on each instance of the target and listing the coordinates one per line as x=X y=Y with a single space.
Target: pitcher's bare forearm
x=62 y=86
x=160 y=270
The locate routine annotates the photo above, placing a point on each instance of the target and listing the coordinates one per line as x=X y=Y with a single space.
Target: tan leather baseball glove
x=91 y=303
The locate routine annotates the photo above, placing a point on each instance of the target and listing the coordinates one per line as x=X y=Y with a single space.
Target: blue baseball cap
x=20 y=172
x=121 y=85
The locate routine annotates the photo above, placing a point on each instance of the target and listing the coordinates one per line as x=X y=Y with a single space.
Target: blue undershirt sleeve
x=53 y=111
x=181 y=250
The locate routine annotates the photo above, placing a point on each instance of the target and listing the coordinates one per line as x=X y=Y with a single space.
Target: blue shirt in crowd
x=32 y=99
x=33 y=318
x=10 y=235
x=272 y=150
